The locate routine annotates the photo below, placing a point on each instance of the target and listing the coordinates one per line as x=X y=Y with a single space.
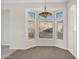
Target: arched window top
x=59 y=15
x=56 y=15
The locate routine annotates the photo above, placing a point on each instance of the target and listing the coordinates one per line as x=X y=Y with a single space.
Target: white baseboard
x=23 y=48
x=72 y=53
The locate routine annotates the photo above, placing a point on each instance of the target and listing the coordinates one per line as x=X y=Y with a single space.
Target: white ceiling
x=32 y=1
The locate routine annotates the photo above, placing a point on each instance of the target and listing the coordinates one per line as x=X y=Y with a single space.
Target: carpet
x=42 y=52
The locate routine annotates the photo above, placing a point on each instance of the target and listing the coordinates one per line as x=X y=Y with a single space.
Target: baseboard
x=61 y=47
x=23 y=48
x=5 y=45
x=72 y=53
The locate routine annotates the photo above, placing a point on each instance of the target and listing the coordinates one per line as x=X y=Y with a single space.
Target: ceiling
x=32 y=1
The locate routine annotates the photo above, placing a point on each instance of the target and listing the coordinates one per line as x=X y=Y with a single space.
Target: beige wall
x=72 y=32
x=5 y=26
x=17 y=35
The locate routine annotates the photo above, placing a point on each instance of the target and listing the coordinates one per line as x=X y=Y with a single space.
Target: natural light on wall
x=73 y=9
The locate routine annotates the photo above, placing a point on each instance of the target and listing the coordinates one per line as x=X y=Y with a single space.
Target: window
x=60 y=29
x=45 y=29
x=50 y=27
x=31 y=29
x=59 y=15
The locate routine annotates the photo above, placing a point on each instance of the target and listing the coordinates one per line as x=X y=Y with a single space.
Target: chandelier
x=45 y=13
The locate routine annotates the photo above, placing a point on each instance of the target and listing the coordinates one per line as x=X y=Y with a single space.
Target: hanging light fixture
x=45 y=13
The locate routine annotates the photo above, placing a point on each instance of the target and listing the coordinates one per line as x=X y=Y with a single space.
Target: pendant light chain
x=45 y=8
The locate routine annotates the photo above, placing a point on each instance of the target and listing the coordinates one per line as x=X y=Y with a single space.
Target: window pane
x=60 y=30
x=45 y=29
x=59 y=15
x=31 y=14
x=31 y=29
